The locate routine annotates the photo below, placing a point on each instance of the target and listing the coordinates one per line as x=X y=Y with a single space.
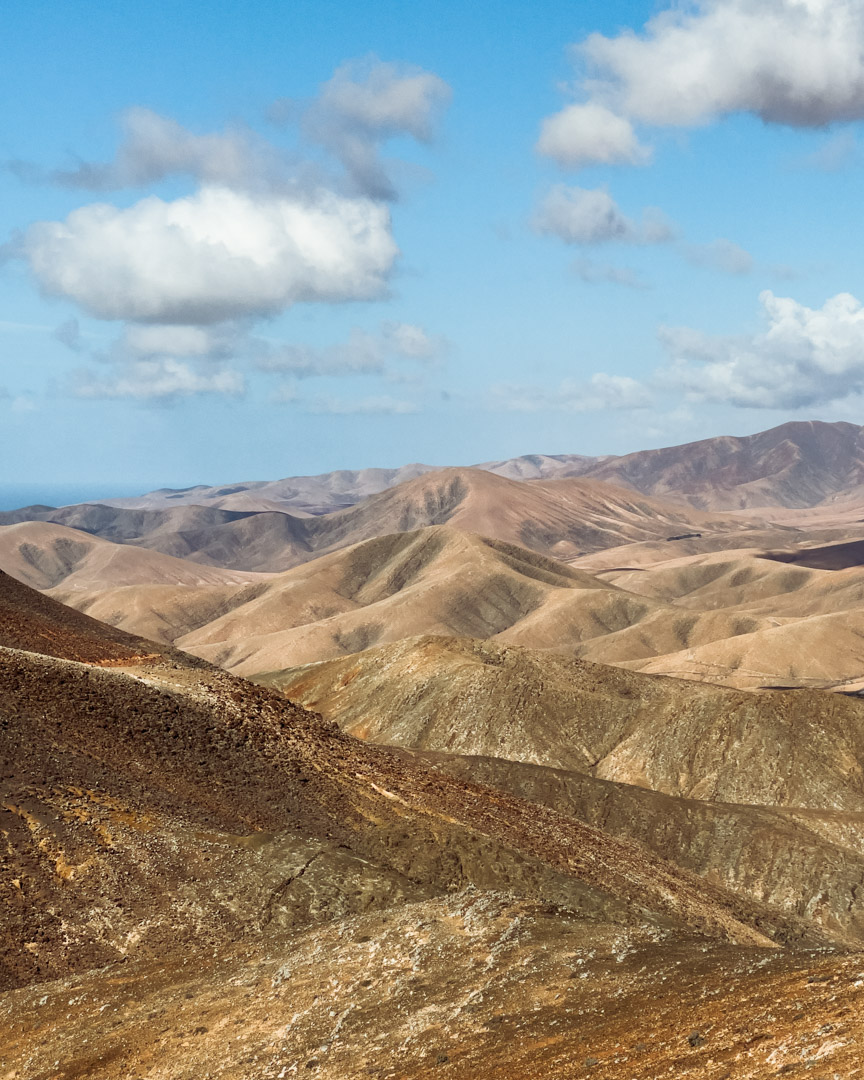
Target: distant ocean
x=13 y=496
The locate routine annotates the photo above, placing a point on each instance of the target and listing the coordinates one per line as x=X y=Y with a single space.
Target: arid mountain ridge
x=749 y=598
x=436 y=836
x=208 y=840
x=797 y=464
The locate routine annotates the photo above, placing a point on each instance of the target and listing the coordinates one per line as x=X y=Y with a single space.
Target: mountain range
x=549 y=767
x=798 y=464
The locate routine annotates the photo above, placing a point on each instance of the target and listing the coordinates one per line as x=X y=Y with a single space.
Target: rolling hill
x=219 y=880
x=561 y=518
x=802 y=749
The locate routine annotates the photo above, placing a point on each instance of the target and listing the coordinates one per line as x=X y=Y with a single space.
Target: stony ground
x=473 y=985
x=202 y=880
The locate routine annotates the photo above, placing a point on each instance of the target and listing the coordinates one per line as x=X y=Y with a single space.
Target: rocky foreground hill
x=201 y=878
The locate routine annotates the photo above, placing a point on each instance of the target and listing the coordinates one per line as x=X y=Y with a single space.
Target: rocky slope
x=29 y=620
x=460 y=987
x=802 y=749
x=270 y=894
x=161 y=802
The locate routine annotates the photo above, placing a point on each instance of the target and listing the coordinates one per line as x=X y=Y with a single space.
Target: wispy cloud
x=363 y=353
x=366 y=103
x=591 y=216
x=722 y=255
x=163 y=380
x=599 y=393
x=367 y=406
x=595 y=273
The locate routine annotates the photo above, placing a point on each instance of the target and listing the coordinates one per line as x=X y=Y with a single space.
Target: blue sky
x=324 y=235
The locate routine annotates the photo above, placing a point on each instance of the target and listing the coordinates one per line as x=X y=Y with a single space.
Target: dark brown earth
x=29 y=620
x=825 y=557
x=94 y=760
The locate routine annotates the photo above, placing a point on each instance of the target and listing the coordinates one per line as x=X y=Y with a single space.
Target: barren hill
x=212 y=879
x=48 y=556
x=37 y=623
x=563 y=518
x=113 y=780
x=433 y=580
x=798 y=464
x=797 y=749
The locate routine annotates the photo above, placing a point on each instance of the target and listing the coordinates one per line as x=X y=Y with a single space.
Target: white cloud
x=590 y=134
x=798 y=62
x=793 y=62
x=158 y=380
x=591 y=216
x=599 y=393
x=366 y=103
x=213 y=256
x=361 y=406
x=152 y=340
x=805 y=357
x=594 y=273
x=411 y=341
x=720 y=255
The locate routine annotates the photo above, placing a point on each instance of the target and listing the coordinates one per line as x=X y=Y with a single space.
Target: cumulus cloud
x=213 y=256
x=366 y=103
x=792 y=62
x=590 y=134
x=156 y=147
x=804 y=357
x=368 y=406
x=190 y=276
x=363 y=353
x=599 y=393
x=159 y=380
x=796 y=62
x=591 y=216
x=720 y=255
x=594 y=273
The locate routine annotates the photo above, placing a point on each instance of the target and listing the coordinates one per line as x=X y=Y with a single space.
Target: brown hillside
x=31 y=621
x=796 y=749
x=102 y=770
x=434 y=580
x=798 y=464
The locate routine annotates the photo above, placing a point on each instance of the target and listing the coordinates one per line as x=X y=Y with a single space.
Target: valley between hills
x=547 y=767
